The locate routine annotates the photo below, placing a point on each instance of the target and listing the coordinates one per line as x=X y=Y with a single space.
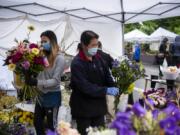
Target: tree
x=171 y=24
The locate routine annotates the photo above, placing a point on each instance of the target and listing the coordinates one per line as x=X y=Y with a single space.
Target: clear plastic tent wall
x=68 y=18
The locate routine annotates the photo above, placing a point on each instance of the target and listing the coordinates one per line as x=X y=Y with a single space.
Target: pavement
x=150 y=70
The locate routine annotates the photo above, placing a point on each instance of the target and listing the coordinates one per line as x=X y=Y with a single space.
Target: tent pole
x=122 y=26
x=123 y=45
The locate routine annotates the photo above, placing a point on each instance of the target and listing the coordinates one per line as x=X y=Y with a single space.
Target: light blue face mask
x=92 y=51
x=47 y=47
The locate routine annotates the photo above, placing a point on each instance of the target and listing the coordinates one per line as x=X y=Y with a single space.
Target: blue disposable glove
x=112 y=91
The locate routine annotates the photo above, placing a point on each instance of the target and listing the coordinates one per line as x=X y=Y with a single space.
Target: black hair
x=164 y=41
x=99 y=45
x=86 y=38
x=51 y=35
x=25 y=41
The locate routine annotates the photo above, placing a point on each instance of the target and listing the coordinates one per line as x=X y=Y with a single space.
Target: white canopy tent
x=5 y=77
x=158 y=35
x=68 y=18
x=161 y=33
x=135 y=35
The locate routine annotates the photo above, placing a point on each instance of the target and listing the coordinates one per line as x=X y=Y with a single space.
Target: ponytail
x=79 y=47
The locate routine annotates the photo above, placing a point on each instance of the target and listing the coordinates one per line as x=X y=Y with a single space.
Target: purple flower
x=155 y=114
x=151 y=102
x=123 y=124
x=170 y=109
x=39 y=60
x=177 y=132
x=176 y=114
x=50 y=132
x=125 y=118
x=115 y=63
x=26 y=65
x=138 y=109
x=31 y=46
x=169 y=125
x=123 y=115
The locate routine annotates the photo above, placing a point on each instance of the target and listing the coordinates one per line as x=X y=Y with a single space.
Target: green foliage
x=145 y=47
x=128 y=48
x=171 y=24
x=126 y=72
x=152 y=52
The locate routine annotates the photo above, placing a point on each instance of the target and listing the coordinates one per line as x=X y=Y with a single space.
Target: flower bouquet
x=126 y=72
x=26 y=59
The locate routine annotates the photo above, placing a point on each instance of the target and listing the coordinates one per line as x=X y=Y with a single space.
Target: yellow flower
x=149 y=116
x=35 y=51
x=20 y=113
x=63 y=125
x=11 y=67
x=131 y=88
x=31 y=28
x=21 y=120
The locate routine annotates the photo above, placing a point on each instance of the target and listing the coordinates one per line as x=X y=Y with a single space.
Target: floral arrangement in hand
x=126 y=72
x=26 y=60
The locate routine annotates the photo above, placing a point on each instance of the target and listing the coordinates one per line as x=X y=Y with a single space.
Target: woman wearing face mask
x=90 y=82
x=48 y=83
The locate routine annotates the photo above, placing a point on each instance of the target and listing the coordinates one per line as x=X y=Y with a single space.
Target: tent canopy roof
x=103 y=16
x=135 y=35
x=161 y=32
x=127 y=11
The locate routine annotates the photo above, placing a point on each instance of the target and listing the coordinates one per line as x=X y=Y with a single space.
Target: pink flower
x=31 y=46
x=21 y=48
x=46 y=63
x=26 y=65
x=64 y=128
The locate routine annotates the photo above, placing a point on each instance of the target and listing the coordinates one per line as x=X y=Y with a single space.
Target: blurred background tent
x=161 y=33
x=135 y=35
x=158 y=35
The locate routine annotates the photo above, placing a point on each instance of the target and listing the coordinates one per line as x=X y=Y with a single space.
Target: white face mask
x=92 y=51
